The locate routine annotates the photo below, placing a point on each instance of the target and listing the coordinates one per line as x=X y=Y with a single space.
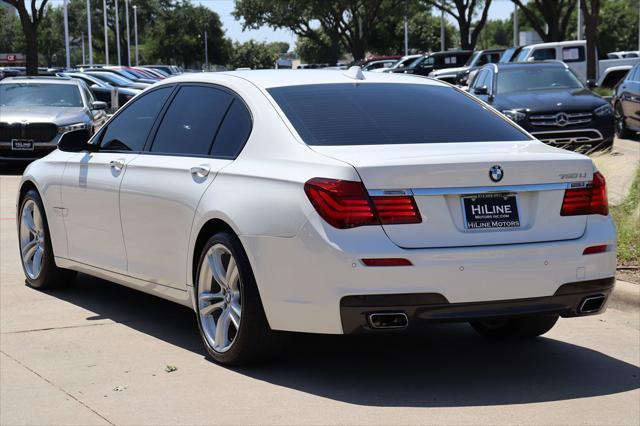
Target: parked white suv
x=323 y=202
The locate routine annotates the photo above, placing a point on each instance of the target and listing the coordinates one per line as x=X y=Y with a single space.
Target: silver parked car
x=36 y=111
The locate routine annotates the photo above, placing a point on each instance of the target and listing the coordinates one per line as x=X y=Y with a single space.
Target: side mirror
x=98 y=105
x=483 y=90
x=75 y=141
x=591 y=83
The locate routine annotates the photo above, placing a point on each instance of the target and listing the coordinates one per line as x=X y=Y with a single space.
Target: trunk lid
x=442 y=176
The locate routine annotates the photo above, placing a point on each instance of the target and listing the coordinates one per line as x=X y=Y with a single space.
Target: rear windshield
x=385 y=113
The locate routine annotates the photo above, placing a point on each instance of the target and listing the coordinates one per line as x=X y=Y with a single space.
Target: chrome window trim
x=420 y=192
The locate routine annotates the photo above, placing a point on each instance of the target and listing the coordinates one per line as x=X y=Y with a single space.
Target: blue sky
x=500 y=9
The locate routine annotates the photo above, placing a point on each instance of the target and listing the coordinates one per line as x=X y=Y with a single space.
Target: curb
x=626 y=296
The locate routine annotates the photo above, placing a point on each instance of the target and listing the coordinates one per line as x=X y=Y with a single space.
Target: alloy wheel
x=32 y=239
x=219 y=298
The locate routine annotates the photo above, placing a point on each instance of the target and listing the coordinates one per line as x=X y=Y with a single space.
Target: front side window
x=389 y=114
x=128 y=131
x=192 y=121
x=40 y=94
x=523 y=79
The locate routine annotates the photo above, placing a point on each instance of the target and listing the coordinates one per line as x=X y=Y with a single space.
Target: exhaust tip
x=388 y=320
x=591 y=304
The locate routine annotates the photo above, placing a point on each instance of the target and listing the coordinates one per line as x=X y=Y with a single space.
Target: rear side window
x=192 y=120
x=544 y=54
x=234 y=131
x=386 y=113
x=128 y=131
x=573 y=54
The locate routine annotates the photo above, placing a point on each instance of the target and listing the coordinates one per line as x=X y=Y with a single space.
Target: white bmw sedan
x=324 y=202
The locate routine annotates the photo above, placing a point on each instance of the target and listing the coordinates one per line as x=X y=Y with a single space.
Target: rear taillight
x=591 y=199
x=346 y=204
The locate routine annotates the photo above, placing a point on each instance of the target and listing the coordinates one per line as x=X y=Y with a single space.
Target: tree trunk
x=31 y=39
x=592 y=43
x=464 y=35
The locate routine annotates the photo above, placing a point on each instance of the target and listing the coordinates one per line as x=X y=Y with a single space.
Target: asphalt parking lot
x=98 y=353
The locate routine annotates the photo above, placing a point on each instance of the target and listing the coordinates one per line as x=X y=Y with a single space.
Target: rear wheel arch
x=211 y=227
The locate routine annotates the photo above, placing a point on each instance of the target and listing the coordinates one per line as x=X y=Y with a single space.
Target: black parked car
x=101 y=89
x=626 y=104
x=436 y=61
x=549 y=101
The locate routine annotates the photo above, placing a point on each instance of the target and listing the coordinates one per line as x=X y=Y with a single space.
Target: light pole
x=118 y=35
x=106 y=36
x=126 y=14
x=66 y=33
x=89 y=32
x=135 y=30
x=206 y=51
x=406 y=35
x=579 y=31
x=442 y=32
x=516 y=30
x=84 y=58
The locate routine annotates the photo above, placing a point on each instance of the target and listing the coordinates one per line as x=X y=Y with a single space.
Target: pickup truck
x=573 y=53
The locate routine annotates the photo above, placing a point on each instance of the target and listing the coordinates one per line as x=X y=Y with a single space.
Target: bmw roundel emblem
x=496 y=173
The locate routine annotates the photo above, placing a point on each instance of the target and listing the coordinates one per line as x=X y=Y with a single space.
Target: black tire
x=620 y=127
x=254 y=341
x=50 y=275
x=515 y=328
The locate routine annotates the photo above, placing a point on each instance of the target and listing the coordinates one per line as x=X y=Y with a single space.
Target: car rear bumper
x=570 y=300
x=304 y=281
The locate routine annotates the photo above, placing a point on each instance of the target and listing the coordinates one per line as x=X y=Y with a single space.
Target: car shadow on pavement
x=446 y=366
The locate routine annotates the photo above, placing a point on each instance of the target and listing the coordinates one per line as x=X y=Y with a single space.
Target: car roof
x=266 y=79
x=534 y=64
x=40 y=80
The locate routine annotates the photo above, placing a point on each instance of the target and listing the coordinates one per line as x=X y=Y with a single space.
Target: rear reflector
x=595 y=249
x=346 y=204
x=591 y=199
x=388 y=261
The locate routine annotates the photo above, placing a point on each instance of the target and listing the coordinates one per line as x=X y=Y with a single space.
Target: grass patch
x=627 y=219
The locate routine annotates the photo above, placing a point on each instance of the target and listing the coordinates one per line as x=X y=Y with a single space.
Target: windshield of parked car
x=522 y=55
x=471 y=59
x=114 y=79
x=536 y=78
x=388 y=114
x=40 y=94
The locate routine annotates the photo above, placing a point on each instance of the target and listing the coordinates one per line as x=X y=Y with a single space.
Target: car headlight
x=72 y=127
x=514 y=114
x=603 y=110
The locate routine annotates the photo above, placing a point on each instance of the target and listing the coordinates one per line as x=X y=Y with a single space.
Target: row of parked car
x=36 y=111
x=542 y=87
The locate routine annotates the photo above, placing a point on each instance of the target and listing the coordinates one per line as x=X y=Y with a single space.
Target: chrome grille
x=567 y=137
x=561 y=119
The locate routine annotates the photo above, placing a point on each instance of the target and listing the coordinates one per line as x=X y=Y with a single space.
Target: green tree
x=252 y=55
x=465 y=13
x=551 y=19
x=11 y=35
x=30 y=19
x=280 y=47
x=51 y=37
x=318 y=49
x=177 y=36
x=591 y=12
x=351 y=23
x=618 y=26
x=497 y=33
x=424 y=31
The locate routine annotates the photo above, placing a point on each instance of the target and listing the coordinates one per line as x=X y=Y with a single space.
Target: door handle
x=201 y=171
x=117 y=164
